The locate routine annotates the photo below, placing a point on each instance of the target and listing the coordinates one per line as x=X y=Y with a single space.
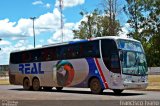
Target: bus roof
x=115 y=38
x=78 y=41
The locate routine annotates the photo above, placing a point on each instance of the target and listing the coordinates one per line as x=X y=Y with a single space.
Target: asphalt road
x=72 y=96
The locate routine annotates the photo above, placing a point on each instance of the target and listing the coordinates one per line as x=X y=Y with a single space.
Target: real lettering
x=21 y=68
x=40 y=69
x=31 y=68
x=27 y=69
x=34 y=69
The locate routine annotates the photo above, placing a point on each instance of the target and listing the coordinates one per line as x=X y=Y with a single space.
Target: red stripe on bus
x=101 y=73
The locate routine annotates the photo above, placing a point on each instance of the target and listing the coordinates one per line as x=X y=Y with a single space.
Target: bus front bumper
x=135 y=85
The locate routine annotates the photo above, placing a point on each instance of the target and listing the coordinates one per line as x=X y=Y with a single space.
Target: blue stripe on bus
x=73 y=42
x=93 y=71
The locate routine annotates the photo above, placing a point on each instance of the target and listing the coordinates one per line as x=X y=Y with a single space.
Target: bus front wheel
x=95 y=86
x=36 y=84
x=117 y=91
x=26 y=84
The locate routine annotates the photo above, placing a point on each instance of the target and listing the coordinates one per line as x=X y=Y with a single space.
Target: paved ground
x=11 y=92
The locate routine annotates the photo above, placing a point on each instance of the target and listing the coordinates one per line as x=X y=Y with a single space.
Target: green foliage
x=144 y=20
x=95 y=25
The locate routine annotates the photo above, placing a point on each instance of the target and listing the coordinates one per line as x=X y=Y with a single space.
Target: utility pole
x=61 y=7
x=33 y=19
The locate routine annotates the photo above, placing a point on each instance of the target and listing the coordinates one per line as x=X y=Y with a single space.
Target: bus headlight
x=127 y=79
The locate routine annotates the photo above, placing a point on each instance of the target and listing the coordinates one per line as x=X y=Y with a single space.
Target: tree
x=144 y=20
x=95 y=25
x=133 y=9
x=152 y=30
x=111 y=9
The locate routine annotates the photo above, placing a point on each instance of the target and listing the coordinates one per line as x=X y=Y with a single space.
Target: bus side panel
x=51 y=73
x=114 y=80
x=74 y=72
x=47 y=78
x=81 y=71
x=63 y=72
x=105 y=72
x=93 y=72
x=31 y=70
x=15 y=76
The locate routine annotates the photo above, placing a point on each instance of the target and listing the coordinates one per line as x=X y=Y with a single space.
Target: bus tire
x=47 y=88
x=95 y=86
x=26 y=84
x=36 y=84
x=117 y=91
x=59 y=88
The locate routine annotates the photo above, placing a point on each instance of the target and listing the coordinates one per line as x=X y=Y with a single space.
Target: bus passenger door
x=115 y=70
x=115 y=63
x=111 y=60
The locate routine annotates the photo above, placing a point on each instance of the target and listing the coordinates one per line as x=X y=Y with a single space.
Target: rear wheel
x=36 y=84
x=59 y=88
x=118 y=91
x=95 y=86
x=26 y=84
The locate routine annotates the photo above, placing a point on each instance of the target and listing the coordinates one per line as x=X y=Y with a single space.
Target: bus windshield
x=134 y=61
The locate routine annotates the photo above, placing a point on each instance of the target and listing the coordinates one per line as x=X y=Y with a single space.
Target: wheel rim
x=95 y=86
x=36 y=85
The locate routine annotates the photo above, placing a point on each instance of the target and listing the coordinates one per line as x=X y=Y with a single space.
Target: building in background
x=4 y=70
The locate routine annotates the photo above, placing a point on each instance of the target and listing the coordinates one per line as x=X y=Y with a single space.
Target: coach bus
x=111 y=62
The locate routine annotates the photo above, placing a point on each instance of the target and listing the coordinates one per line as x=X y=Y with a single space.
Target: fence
x=154 y=70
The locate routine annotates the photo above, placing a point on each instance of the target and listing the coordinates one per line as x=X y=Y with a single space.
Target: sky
x=16 y=29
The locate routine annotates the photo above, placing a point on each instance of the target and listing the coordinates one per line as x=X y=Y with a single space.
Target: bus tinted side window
x=110 y=55
x=91 y=49
x=71 y=51
x=63 y=53
x=68 y=52
x=25 y=57
x=35 y=55
x=48 y=54
x=115 y=64
x=79 y=50
x=15 y=58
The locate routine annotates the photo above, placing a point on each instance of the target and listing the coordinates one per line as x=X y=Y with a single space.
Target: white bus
x=111 y=62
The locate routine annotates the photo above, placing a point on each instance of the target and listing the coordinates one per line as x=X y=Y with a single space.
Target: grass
x=4 y=82
x=154 y=82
